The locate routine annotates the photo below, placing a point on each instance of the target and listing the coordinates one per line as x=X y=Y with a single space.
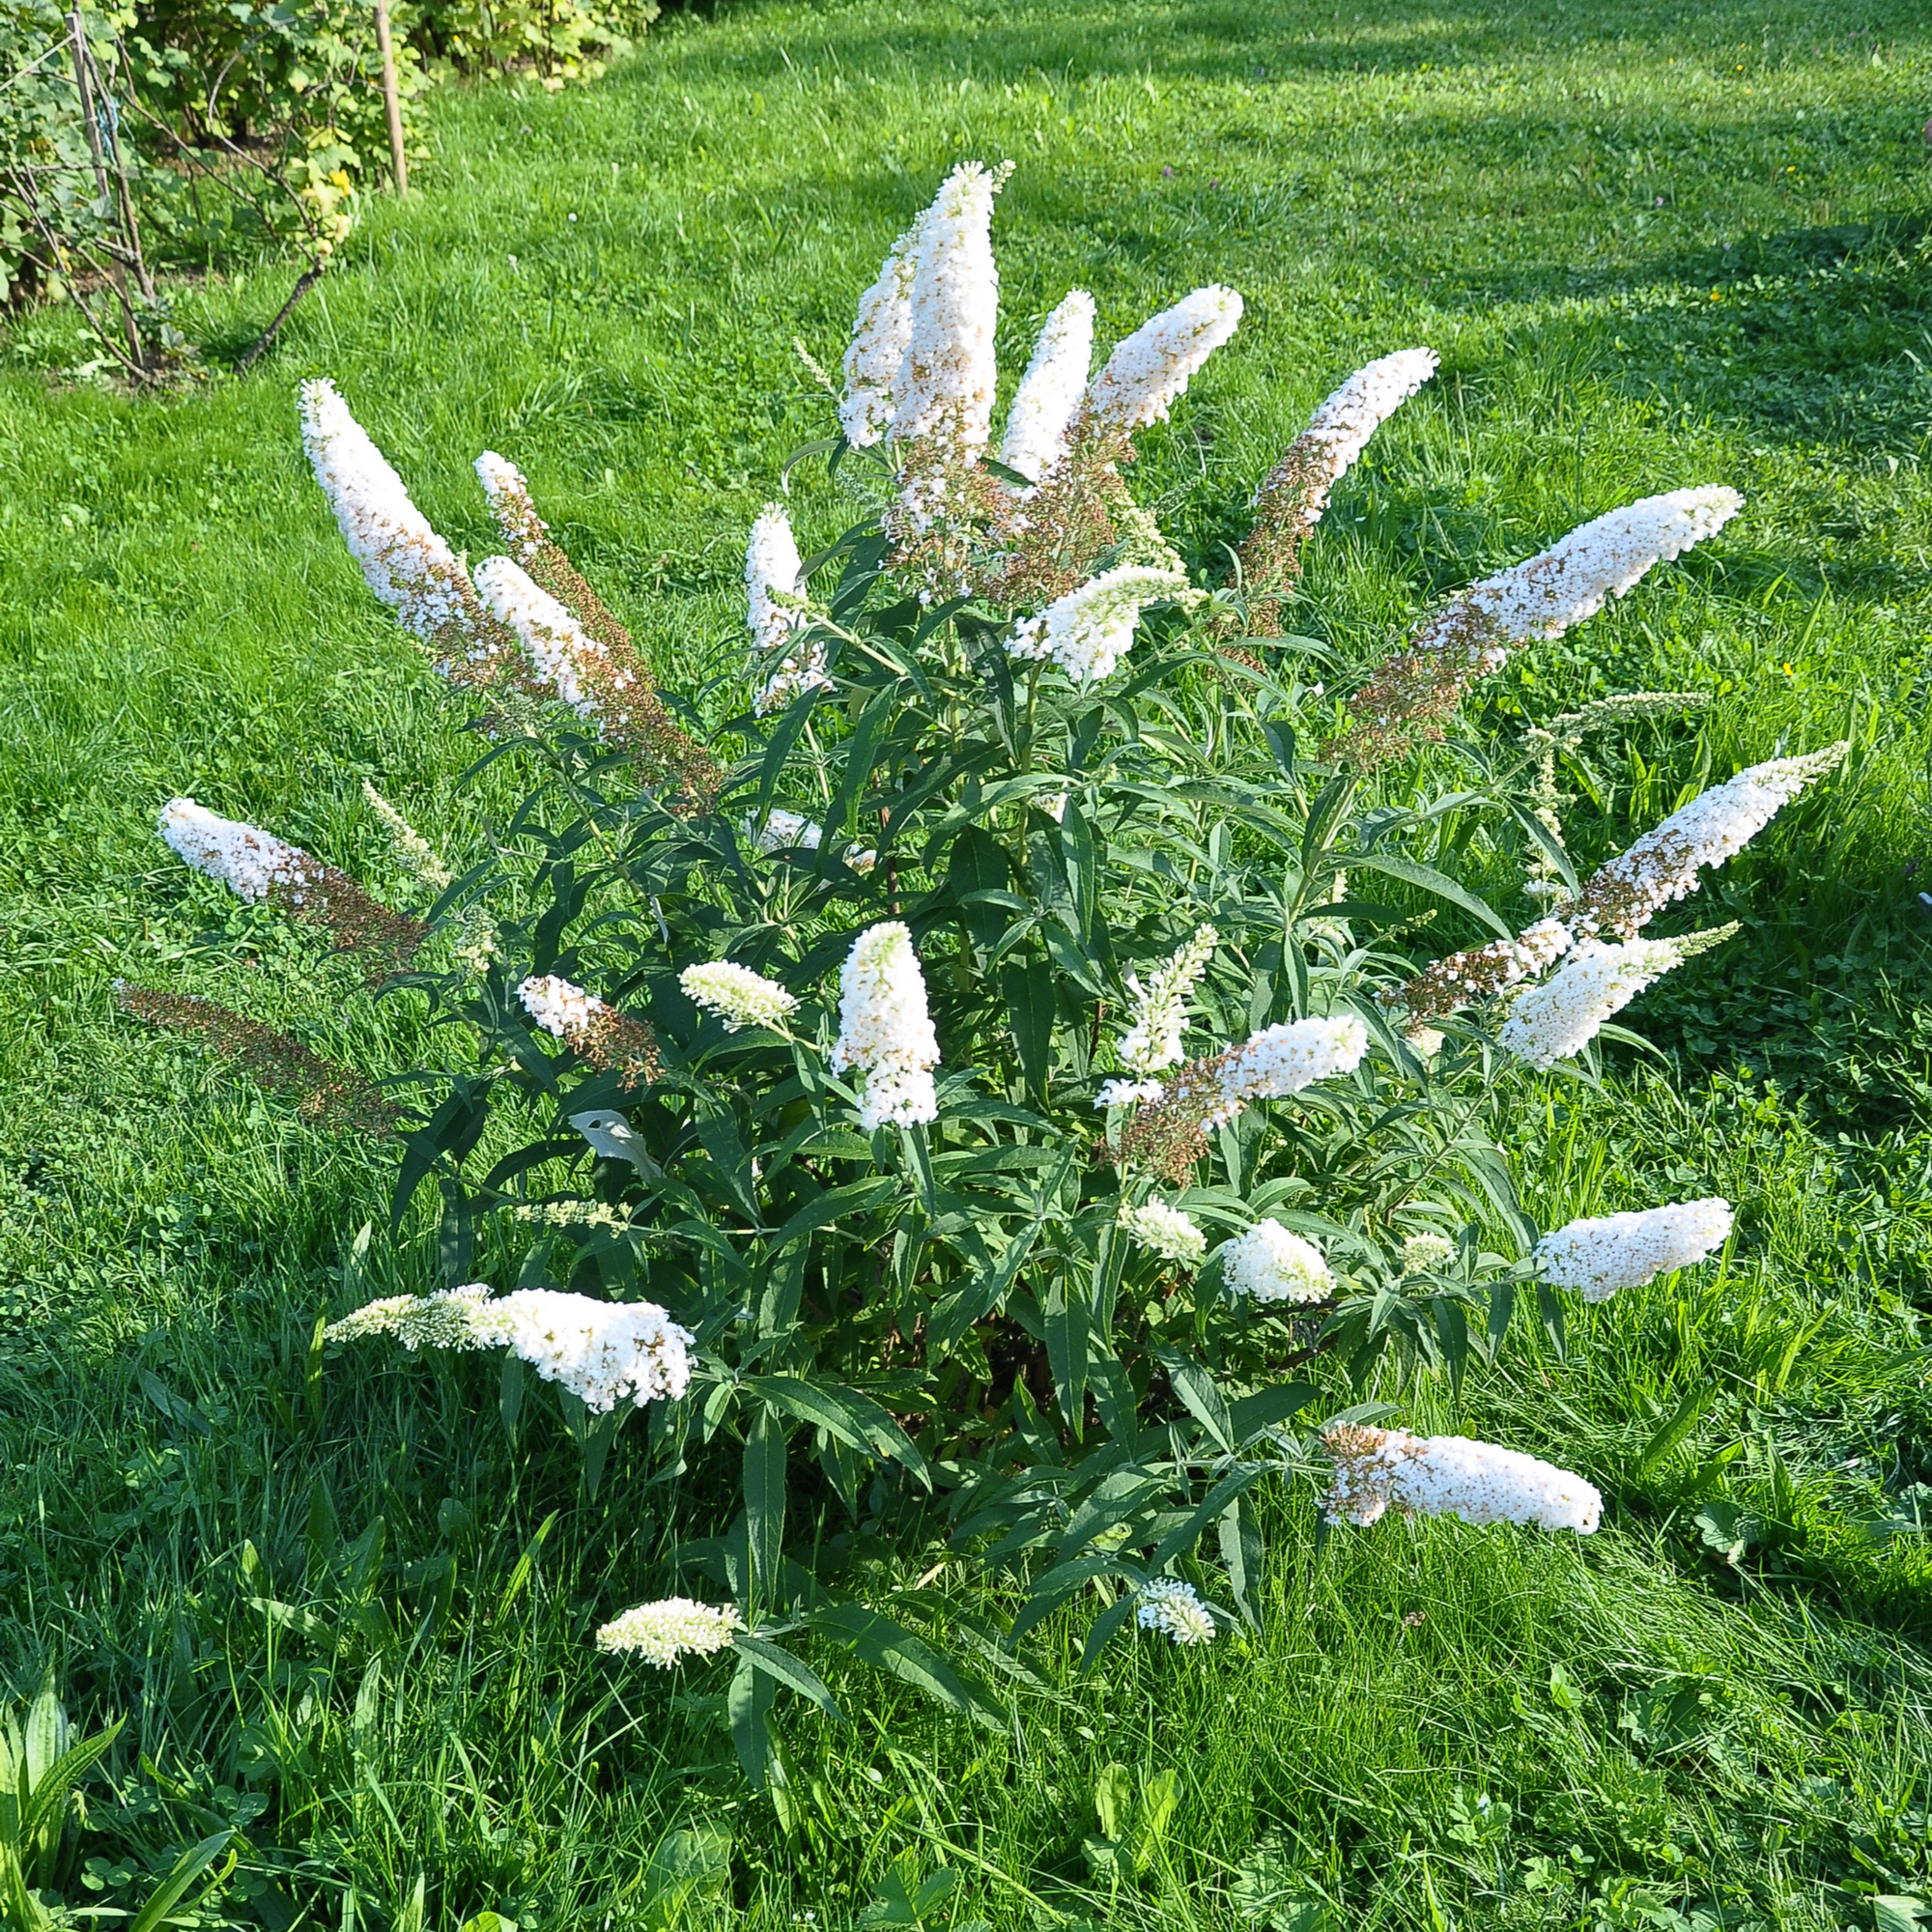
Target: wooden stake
x=399 y=164
x=117 y=276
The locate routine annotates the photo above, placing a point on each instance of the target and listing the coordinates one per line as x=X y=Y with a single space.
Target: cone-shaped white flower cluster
x=884 y=1029
x=669 y=1629
x=1426 y=1253
x=774 y=598
x=1546 y=595
x=1561 y=1017
x=1717 y=825
x=561 y=651
x=1451 y=1475
x=1603 y=1254
x=1090 y=630
x=1174 y=1609
x=945 y=383
x=249 y=861
x=878 y=346
x=1160 y=1006
x=601 y=1351
x=511 y=504
x=1339 y=431
x=1049 y=398
x=1281 y=1060
x=1149 y=369
x=562 y=1009
x=406 y=563
x=740 y=996
x=1167 y=1231
x=1269 y=1264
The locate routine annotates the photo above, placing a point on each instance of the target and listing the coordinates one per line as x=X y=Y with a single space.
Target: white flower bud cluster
x=1717 y=825
x=1149 y=369
x=1339 y=431
x=740 y=996
x=775 y=600
x=946 y=378
x=601 y=1351
x=1451 y=1475
x=669 y=1629
x=250 y=862
x=1546 y=595
x=1127 y=1093
x=414 y=851
x=1171 y=1235
x=885 y=1029
x=406 y=563
x=1281 y=1060
x=878 y=346
x=565 y=1012
x=1425 y=1253
x=1560 y=1017
x=1049 y=398
x=564 y=654
x=1090 y=630
x=1600 y=1255
x=1160 y=1006
x=1269 y=1265
x=1174 y=1609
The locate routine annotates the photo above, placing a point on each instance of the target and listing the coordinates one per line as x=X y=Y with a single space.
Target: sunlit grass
x=1642 y=269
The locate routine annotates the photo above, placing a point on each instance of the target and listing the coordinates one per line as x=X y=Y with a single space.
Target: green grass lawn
x=1654 y=245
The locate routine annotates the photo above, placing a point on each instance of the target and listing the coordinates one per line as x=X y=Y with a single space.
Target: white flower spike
x=1598 y=1256
x=884 y=1028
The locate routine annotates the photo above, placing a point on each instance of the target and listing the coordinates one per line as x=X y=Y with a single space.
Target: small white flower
x=672 y=1628
x=1160 y=1006
x=250 y=862
x=562 y=1009
x=1599 y=1256
x=1451 y=1475
x=1166 y=1229
x=1127 y=1093
x=1149 y=370
x=403 y=560
x=1339 y=431
x=603 y=1352
x=1717 y=825
x=1090 y=630
x=1426 y=1253
x=1269 y=1264
x=1281 y=1060
x=1561 y=1017
x=1049 y=398
x=563 y=653
x=879 y=338
x=739 y=996
x=1546 y=595
x=775 y=608
x=945 y=383
x=885 y=1029
x=1175 y=1610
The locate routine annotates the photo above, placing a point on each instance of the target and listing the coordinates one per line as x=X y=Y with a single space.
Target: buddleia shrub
x=974 y=1097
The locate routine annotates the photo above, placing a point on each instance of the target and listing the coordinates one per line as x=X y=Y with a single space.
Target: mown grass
x=1671 y=244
